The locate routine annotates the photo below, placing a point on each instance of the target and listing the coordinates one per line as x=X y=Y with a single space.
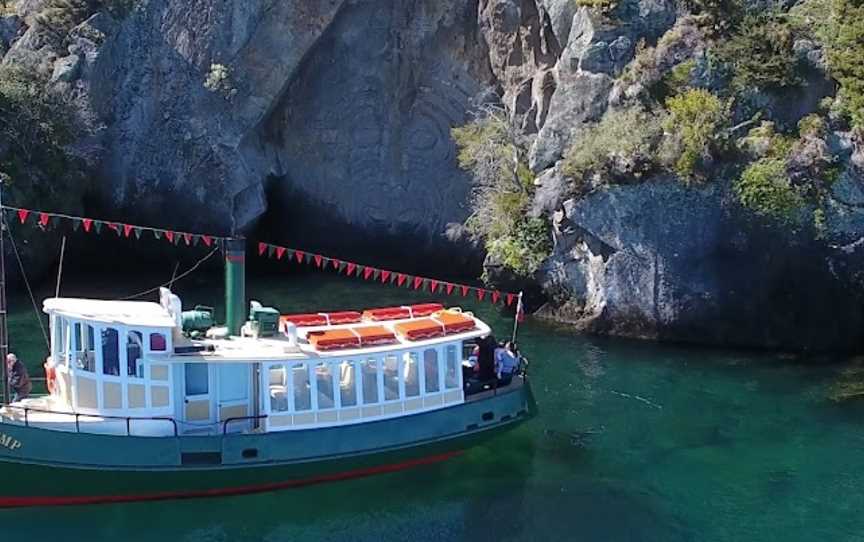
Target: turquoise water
x=634 y=441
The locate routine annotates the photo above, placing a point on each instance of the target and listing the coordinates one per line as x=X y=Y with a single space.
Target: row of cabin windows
x=75 y=342
x=357 y=382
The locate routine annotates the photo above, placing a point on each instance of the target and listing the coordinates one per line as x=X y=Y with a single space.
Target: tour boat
x=150 y=402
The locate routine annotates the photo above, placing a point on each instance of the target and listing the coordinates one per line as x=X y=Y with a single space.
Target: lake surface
x=633 y=441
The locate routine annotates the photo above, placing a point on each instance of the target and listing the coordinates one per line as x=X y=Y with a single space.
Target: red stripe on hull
x=20 y=502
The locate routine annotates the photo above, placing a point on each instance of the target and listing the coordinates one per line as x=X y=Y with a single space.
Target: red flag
x=262 y=248
x=464 y=291
x=385 y=276
x=510 y=298
x=318 y=259
x=350 y=269
x=450 y=288
x=127 y=229
x=400 y=279
x=433 y=285
x=481 y=293
x=298 y=255
x=207 y=239
x=88 y=223
x=170 y=236
x=368 y=273
x=22 y=215
x=496 y=295
x=418 y=281
x=188 y=238
x=336 y=264
x=114 y=227
x=280 y=251
x=43 y=219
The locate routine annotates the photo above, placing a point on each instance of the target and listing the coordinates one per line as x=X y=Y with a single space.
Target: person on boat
x=19 y=380
x=506 y=362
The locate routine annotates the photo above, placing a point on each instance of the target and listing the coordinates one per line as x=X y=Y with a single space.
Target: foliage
x=603 y=6
x=623 y=144
x=844 y=40
x=35 y=125
x=760 y=53
x=812 y=125
x=489 y=148
x=717 y=17
x=219 y=81
x=61 y=16
x=764 y=187
x=678 y=79
x=695 y=129
x=763 y=141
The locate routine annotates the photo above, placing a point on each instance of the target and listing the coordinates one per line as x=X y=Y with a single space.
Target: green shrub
x=695 y=129
x=603 y=6
x=61 y=16
x=844 y=39
x=489 y=148
x=764 y=188
x=760 y=53
x=623 y=144
x=717 y=17
x=812 y=125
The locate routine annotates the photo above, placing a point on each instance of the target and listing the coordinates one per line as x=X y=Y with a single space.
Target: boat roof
x=129 y=313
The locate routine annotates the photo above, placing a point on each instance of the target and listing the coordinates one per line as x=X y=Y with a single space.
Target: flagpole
x=519 y=312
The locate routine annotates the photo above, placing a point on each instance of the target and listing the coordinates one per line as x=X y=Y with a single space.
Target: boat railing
x=78 y=416
x=240 y=419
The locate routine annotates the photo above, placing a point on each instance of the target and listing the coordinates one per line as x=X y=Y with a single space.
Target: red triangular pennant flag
x=298 y=255
x=127 y=230
x=280 y=251
x=433 y=285
x=114 y=227
x=262 y=247
x=318 y=259
x=22 y=215
x=418 y=282
x=464 y=291
x=206 y=238
x=450 y=288
x=188 y=238
x=368 y=272
x=481 y=293
x=400 y=279
x=88 y=223
x=43 y=219
x=350 y=269
x=170 y=236
x=385 y=276
x=510 y=298
x=336 y=264
x=496 y=295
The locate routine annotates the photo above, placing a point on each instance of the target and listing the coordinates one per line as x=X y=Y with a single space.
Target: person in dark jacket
x=19 y=380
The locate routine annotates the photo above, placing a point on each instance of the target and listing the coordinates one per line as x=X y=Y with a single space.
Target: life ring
x=50 y=378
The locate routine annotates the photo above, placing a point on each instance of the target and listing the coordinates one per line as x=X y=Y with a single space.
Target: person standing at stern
x=19 y=379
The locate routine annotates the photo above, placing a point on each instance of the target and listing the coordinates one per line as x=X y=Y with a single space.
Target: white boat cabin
x=126 y=367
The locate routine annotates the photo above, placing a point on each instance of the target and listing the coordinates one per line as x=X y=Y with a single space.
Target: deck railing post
x=26 y=420
x=128 y=423
x=77 y=424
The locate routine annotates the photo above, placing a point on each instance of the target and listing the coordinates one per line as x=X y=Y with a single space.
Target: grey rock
x=66 y=69
x=10 y=26
x=661 y=261
x=552 y=189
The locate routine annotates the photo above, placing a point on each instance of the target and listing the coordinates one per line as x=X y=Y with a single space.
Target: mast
x=4 y=335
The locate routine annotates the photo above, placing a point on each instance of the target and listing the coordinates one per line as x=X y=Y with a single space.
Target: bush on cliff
x=845 y=54
x=623 y=145
x=764 y=188
x=61 y=16
x=695 y=130
x=760 y=53
x=491 y=150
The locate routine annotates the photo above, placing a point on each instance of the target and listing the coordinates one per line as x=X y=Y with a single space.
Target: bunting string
x=45 y=221
x=384 y=276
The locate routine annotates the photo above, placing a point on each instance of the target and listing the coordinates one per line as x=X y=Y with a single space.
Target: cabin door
x=233 y=399
x=197 y=408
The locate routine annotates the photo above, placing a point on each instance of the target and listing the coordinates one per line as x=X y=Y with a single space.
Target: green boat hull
x=40 y=467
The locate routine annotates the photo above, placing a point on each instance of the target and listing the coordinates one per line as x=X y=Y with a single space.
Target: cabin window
x=391 y=378
x=157 y=342
x=134 y=348
x=110 y=352
x=278 y=386
x=302 y=387
x=348 y=383
x=324 y=379
x=369 y=382
x=85 y=348
x=430 y=367
x=61 y=329
x=451 y=375
x=411 y=374
x=197 y=379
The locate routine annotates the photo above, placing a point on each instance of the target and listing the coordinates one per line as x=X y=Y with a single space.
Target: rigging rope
x=173 y=279
x=27 y=284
